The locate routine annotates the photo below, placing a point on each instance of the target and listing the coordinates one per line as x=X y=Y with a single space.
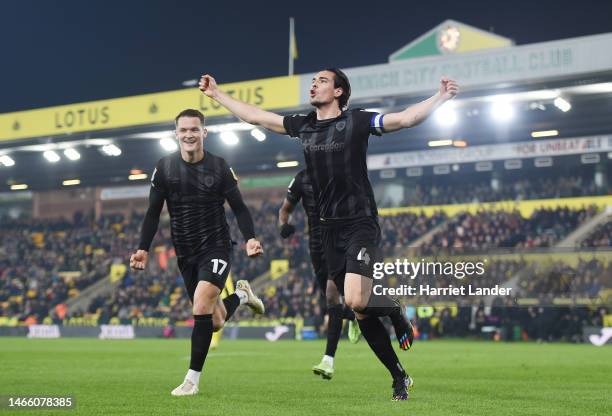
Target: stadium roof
x=527 y=78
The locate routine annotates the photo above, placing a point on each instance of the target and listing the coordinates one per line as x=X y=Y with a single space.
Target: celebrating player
x=335 y=141
x=300 y=188
x=195 y=184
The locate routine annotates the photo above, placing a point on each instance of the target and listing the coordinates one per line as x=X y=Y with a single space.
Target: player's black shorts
x=351 y=247
x=317 y=257
x=213 y=266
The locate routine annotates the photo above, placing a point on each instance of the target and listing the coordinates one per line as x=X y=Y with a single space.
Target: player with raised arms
x=335 y=141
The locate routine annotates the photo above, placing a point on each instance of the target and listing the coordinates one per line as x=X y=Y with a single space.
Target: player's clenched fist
x=448 y=88
x=253 y=248
x=208 y=86
x=138 y=261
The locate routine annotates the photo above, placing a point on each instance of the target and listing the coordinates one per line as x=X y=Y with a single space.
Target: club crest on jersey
x=340 y=125
x=209 y=181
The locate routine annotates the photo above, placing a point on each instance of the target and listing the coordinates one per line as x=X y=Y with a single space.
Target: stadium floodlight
x=502 y=110
x=288 y=164
x=229 y=138
x=446 y=115
x=51 y=156
x=72 y=154
x=168 y=144
x=19 y=187
x=111 y=150
x=459 y=143
x=190 y=83
x=137 y=176
x=544 y=133
x=258 y=135
x=7 y=161
x=238 y=126
x=438 y=143
x=562 y=104
x=71 y=182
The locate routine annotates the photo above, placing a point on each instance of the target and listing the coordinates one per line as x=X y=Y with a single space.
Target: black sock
x=347 y=313
x=231 y=303
x=384 y=306
x=334 y=328
x=378 y=339
x=200 y=340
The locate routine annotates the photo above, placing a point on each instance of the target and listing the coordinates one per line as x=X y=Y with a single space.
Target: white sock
x=242 y=295
x=193 y=376
x=328 y=360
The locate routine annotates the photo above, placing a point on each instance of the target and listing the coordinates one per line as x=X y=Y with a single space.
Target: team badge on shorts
x=209 y=181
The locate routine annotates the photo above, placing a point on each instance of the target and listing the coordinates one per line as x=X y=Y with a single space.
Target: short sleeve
x=293 y=124
x=228 y=178
x=371 y=122
x=294 y=192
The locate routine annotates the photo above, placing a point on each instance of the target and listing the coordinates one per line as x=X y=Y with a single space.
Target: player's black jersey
x=300 y=188
x=335 y=152
x=195 y=194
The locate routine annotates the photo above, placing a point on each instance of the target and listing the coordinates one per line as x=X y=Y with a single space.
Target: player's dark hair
x=190 y=112
x=341 y=81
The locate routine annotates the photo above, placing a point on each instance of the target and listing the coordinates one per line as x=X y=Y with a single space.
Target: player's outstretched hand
x=286 y=230
x=253 y=248
x=138 y=261
x=448 y=88
x=208 y=86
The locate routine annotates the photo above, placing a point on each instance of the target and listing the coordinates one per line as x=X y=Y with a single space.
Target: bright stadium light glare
x=137 y=176
x=7 y=161
x=19 y=187
x=51 y=156
x=72 y=154
x=438 y=143
x=71 y=182
x=544 y=133
x=168 y=144
x=238 y=126
x=229 y=138
x=288 y=164
x=446 y=115
x=259 y=135
x=562 y=104
x=111 y=150
x=502 y=110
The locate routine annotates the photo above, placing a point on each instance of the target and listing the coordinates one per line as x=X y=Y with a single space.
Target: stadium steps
x=575 y=238
x=100 y=288
x=409 y=251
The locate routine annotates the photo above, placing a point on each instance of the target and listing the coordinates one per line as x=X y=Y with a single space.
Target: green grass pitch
x=263 y=378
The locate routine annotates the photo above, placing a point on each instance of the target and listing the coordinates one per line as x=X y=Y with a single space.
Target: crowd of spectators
x=488 y=230
x=560 y=279
x=44 y=262
x=600 y=237
x=481 y=190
